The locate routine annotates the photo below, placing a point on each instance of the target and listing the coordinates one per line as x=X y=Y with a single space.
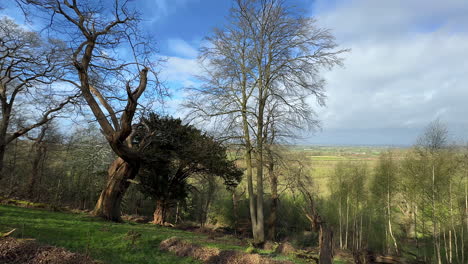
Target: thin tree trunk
x=347 y=221
x=369 y=224
x=389 y=213
x=252 y=207
x=248 y=163
x=450 y=246
x=466 y=203
x=360 y=235
x=177 y=213
x=451 y=221
x=209 y=198
x=386 y=250
x=274 y=200
x=354 y=231
x=416 y=229
x=4 y=123
x=34 y=171
x=446 y=248
x=423 y=231
x=439 y=256
x=235 y=211
x=108 y=205
x=259 y=240
x=2 y=159
x=462 y=244
x=455 y=240
x=341 y=224
x=434 y=223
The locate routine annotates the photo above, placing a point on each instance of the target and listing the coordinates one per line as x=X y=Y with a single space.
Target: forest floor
x=112 y=242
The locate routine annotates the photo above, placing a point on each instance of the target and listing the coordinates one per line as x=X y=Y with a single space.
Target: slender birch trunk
x=416 y=229
x=347 y=221
x=389 y=213
x=341 y=224
x=434 y=223
x=445 y=247
x=439 y=256
x=360 y=234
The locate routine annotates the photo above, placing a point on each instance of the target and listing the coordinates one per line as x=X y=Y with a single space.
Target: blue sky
x=407 y=64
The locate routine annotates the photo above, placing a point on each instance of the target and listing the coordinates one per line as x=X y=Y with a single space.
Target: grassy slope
x=104 y=241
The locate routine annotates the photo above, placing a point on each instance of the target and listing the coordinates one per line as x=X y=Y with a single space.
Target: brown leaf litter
x=28 y=251
x=183 y=248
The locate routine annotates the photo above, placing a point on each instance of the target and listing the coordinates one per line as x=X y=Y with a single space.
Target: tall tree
x=111 y=84
x=29 y=66
x=46 y=136
x=384 y=188
x=267 y=50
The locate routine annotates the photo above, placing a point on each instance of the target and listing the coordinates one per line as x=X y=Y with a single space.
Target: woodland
x=83 y=129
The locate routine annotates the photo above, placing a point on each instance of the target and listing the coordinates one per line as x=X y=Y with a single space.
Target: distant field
x=323 y=159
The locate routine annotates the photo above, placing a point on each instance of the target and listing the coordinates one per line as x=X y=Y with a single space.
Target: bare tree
x=113 y=66
x=282 y=125
x=29 y=66
x=434 y=137
x=267 y=52
x=302 y=182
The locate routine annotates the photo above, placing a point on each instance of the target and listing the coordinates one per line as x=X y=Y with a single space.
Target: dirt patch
x=208 y=255
x=184 y=248
x=27 y=251
x=269 y=245
x=136 y=219
x=285 y=248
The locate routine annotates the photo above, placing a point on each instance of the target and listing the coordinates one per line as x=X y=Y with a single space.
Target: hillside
x=115 y=243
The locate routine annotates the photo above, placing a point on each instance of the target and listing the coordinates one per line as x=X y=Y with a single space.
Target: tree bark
x=326 y=245
x=2 y=157
x=159 y=215
x=347 y=221
x=40 y=149
x=389 y=215
x=108 y=205
x=3 y=135
x=249 y=169
x=340 y=222
x=274 y=200
x=259 y=239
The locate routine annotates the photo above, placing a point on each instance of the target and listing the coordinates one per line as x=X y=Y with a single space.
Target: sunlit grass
x=105 y=241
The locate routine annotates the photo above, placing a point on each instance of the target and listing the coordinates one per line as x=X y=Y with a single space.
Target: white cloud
x=159 y=9
x=181 y=48
x=407 y=66
x=181 y=70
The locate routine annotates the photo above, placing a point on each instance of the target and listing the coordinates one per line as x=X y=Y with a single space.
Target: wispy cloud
x=159 y=9
x=181 y=48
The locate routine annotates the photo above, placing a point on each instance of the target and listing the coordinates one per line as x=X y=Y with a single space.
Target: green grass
x=102 y=240
x=108 y=242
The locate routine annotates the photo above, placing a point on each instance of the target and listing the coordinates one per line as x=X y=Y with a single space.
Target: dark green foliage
x=173 y=152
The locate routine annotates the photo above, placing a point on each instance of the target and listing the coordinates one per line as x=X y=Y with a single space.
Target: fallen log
x=8 y=233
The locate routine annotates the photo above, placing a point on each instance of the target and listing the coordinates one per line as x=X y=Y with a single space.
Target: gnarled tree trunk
x=108 y=205
x=159 y=215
